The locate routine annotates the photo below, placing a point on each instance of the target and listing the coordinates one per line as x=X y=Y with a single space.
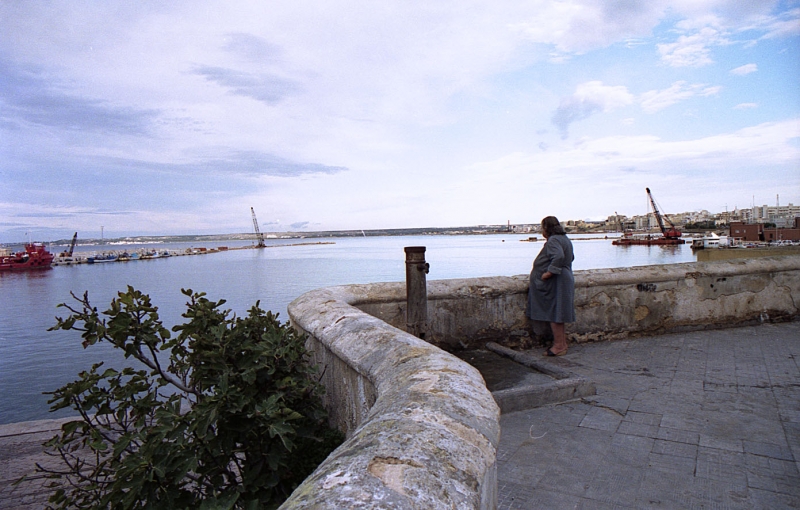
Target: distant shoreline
x=249 y=236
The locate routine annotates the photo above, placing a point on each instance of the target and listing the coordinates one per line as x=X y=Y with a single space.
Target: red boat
x=646 y=240
x=35 y=256
x=668 y=236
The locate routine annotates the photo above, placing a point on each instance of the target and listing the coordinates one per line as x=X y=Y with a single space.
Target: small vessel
x=105 y=257
x=668 y=236
x=710 y=241
x=35 y=256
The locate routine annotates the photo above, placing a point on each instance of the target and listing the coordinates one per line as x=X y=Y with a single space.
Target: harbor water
x=34 y=360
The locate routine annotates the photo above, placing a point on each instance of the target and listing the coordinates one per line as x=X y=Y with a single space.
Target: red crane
x=669 y=233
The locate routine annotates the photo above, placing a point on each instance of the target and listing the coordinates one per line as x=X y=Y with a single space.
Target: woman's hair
x=551 y=226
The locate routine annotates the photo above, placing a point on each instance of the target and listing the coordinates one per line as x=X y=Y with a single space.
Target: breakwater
x=106 y=256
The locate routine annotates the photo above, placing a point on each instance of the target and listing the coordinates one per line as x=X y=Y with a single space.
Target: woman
x=551 y=291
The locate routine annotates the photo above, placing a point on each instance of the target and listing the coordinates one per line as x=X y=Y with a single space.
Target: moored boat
x=35 y=256
x=711 y=240
x=105 y=257
x=646 y=240
x=669 y=236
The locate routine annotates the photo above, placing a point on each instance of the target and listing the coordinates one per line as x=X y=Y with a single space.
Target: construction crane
x=259 y=235
x=669 y=233
x=68 y=253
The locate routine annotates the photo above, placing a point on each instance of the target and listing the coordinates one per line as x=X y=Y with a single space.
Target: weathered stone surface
x=610 y=303
x=422 y=427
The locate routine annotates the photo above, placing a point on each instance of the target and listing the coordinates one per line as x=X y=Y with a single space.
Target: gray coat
x=552 y=300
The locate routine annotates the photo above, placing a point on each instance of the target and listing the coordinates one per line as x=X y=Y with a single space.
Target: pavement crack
x=598 y=404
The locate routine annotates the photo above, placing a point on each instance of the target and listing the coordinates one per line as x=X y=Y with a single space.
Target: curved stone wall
x=422 y=427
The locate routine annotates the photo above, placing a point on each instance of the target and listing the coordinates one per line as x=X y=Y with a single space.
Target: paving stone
x=721 y=443
x=768 y=450
x=638 y=429
x=675 y=448
x=615 y=486
x=675 y=464
x=772 y=500
x=601 y=419
x=721 y=465
x=678 y=435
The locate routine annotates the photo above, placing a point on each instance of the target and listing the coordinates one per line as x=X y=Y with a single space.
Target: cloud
x=589 y=98
x=787 y=24
x=745 y=106
x=252 y=48
x=745 y=69
x=256 y=163
x=768 y=145
x=299 y=225
x=653 y=101
x=264 y=87
x=691 y=50
x=31 y=96
x=580 y=26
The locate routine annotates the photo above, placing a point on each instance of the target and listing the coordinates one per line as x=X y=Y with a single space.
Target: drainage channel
x=522 y=380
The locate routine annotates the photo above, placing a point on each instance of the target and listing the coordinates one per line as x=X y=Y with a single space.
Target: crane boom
x=259 y=235
x=672 y=232
x=68 y=253
x=72 y=245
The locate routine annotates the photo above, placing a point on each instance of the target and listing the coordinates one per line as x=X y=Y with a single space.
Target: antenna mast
x=259 y=235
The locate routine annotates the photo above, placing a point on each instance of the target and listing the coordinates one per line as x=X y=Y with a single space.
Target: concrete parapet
x=422 y=428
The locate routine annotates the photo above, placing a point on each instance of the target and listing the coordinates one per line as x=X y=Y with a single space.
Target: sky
x=170 y=118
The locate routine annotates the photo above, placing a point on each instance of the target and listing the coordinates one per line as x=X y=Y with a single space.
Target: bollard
x=416 y=291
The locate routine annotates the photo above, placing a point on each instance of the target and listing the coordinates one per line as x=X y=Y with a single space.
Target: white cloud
x=745 y=106
x=604 y=170
x=577 y=26
x=589 y=98
x=691 y=50
x=654 y=100
x=787 y=24
x=745 y=69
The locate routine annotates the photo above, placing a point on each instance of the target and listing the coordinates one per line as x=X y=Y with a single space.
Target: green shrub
x=231 y=420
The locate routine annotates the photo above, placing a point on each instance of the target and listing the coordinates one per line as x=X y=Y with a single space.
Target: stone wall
x=610 y=303
x=422 y=428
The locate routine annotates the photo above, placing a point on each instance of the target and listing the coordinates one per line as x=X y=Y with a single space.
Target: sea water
x=34 y=360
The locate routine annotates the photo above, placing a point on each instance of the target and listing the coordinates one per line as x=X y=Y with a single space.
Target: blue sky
x=152 y=118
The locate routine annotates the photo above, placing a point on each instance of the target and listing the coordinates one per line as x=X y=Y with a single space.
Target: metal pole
x=416 y=291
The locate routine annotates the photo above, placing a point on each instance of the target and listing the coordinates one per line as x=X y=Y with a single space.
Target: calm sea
x=34 y=360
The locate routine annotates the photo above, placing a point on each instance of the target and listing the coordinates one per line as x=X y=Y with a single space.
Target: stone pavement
x=707 y=419
x=20 y=450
